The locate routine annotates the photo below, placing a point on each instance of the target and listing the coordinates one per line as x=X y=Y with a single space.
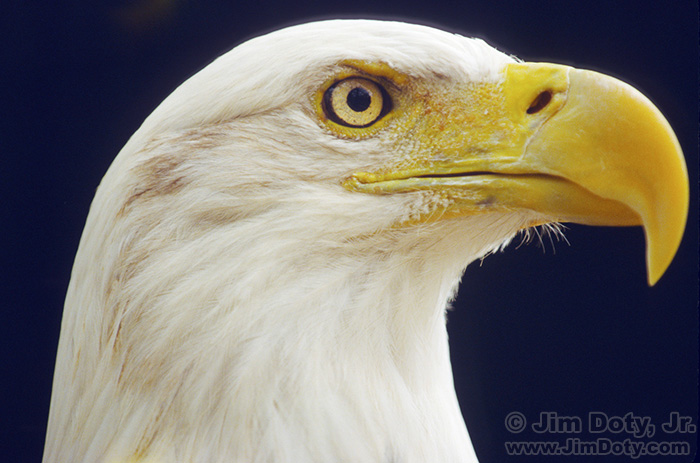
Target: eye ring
x=356 y=102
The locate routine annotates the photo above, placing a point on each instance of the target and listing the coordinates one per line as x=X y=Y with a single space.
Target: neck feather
x=264 y=340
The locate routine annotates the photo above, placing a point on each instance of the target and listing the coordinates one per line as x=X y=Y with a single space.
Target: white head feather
x=232 y=302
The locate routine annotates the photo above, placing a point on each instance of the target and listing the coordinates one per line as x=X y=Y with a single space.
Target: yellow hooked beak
x=568 y=144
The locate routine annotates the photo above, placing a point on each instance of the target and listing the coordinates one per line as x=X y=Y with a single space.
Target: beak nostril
x=540 y=102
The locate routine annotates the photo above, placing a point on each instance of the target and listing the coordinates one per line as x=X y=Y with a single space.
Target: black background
x=564 y=328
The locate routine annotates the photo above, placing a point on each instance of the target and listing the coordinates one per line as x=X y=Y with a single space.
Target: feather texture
x=232 y=302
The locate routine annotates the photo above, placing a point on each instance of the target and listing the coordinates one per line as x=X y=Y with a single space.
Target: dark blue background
x=572 y=329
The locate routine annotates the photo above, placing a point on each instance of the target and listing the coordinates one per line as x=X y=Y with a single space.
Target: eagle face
x=441 y=125
x=265 y=268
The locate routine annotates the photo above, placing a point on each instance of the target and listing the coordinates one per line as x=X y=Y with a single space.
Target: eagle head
x=265 y=268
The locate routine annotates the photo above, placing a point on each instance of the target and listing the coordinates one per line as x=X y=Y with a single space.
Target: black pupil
x=359 y=99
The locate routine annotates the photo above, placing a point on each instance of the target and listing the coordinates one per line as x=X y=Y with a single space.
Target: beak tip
x=660 y=254
x=652 y=277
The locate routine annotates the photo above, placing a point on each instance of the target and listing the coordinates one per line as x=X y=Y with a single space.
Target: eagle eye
x=356 y=102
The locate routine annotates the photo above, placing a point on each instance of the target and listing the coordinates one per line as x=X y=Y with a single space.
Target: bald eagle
x=265 y=268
